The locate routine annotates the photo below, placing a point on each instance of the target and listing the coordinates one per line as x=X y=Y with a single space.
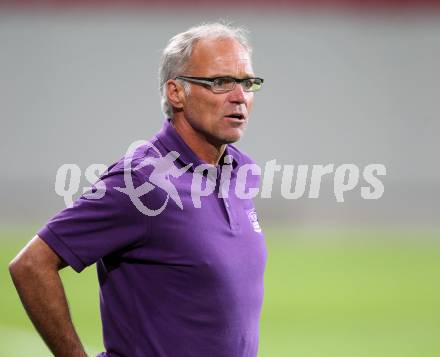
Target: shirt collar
x=172 y=141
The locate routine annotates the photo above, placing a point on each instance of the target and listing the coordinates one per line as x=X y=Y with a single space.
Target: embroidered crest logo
x=253 y=218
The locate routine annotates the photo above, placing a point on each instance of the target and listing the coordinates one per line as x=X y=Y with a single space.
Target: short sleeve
x=93 y=228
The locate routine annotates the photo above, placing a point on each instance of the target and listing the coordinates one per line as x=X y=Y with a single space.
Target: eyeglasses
x=226 y=84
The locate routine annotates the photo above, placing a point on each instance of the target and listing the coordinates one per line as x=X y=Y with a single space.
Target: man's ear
x=175 y=93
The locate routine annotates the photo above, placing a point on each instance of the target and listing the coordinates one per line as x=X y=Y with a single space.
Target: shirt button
x=226 y=204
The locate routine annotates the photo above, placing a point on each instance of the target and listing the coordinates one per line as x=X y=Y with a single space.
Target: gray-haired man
x=187 y=281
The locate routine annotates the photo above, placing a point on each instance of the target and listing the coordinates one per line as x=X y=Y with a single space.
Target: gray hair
x=176 y=55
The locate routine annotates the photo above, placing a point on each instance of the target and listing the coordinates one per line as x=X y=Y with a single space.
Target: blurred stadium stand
x=345 y=82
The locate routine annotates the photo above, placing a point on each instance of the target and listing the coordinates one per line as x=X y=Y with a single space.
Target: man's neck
x=204 y=150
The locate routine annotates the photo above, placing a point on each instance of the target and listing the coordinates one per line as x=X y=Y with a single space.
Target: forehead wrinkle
x=224 y=67
x=212 y=56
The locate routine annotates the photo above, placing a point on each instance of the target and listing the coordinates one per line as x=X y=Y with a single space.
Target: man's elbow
x=20 y=267
x=34 y=257
x=35 y=261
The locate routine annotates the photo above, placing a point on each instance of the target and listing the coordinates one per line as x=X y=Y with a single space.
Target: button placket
x=225 y=201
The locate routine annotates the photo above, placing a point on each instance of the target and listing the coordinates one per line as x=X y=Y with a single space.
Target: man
x=181 y=280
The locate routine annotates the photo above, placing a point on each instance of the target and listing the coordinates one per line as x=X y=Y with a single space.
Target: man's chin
x=226 y=138
x=233 y=136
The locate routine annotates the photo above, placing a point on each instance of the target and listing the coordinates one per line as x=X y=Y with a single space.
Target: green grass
x=350 y=293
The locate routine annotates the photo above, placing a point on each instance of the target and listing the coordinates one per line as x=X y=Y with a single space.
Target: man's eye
x=222 y=82
x=248 y=83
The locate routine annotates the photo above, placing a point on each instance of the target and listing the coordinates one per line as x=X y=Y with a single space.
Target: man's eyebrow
x=247 y=75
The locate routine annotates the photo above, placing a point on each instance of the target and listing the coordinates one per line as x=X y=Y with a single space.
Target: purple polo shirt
x=185 y=282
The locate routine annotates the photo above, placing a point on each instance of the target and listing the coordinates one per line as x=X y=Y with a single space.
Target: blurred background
x=345 y=82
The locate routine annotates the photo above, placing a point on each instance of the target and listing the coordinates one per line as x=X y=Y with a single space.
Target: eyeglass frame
x=209 y=81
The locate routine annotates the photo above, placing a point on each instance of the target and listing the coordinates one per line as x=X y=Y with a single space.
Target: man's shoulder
x=136 y=159
x=134 y=170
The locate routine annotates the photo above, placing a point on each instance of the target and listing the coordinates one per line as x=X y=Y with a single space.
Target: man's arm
x=35 y=274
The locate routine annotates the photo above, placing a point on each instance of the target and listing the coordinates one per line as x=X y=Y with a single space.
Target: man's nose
x=238 y=95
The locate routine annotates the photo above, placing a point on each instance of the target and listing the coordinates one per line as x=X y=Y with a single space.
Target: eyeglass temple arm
x=195 y=80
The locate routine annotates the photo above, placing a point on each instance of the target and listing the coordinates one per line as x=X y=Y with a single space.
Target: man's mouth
x=236 y=116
